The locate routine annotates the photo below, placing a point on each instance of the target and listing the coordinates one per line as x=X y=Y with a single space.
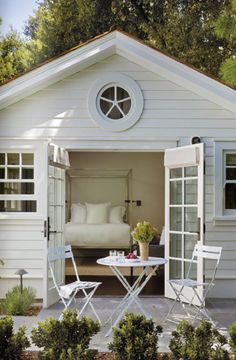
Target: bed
x=99 y=226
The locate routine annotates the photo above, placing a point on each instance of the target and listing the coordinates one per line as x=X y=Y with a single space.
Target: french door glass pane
x=189 y=243
x=175 y=269
x=175 y=192
x=190 y=192
x=190 y=219
x=193 y=273
x=176 y=219
x=190 y=171
x=176 y=245
x=176 y=173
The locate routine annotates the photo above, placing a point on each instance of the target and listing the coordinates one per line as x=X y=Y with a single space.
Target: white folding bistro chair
x=178 y=285
x=69 y=291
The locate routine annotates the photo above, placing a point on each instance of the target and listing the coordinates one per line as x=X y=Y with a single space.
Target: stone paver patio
x=223 y=311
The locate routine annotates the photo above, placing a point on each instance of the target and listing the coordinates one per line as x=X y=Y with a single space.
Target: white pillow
x=78 y=213
x=116 y=214
x=97 y=213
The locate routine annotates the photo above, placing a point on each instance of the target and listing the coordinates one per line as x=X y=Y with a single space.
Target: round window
x=115 y=102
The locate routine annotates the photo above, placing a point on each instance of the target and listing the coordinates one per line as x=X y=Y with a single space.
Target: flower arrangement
x=144 y=232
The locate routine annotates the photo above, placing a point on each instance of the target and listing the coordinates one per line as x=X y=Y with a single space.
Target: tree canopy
x=182 y=28
x=225 y=28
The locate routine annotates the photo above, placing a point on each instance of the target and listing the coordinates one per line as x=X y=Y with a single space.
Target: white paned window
x=229 y=182
x=17 y=182
x=115 y=102
x=225 y=181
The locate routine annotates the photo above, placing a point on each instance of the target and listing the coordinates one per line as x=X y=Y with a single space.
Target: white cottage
x=127 y=116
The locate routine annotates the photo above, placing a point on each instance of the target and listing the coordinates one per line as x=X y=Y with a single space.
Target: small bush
x=135 y=338
x=67 y=339
x=201 y=343
x=232 y=334
x=17 y=303
x=11 y=345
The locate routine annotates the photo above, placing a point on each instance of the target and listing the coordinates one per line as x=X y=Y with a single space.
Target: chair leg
x=91 y=305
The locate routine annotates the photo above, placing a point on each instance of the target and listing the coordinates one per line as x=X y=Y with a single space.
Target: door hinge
x=204 y=228
x=204 y=167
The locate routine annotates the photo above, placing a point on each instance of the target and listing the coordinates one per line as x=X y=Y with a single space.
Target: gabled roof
x=117 y=42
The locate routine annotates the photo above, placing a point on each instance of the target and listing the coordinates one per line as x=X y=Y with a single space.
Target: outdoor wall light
x=21 y=272
x=196 y=140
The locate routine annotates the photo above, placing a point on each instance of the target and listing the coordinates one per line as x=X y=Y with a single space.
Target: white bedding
x=106 y=236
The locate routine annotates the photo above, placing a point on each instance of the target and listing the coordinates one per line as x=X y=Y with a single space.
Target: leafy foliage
x=11 y=345
x=144 y=232
x=201 y=343
x=135 y=338
x=67 y=339
x=232 y=334
x=17 y=303
x=225 y=28
x=15 y=56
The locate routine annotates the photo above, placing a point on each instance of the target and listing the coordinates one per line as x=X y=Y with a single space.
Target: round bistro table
x=132 y=296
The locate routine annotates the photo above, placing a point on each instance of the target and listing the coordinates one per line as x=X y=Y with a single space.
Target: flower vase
x=144 y=251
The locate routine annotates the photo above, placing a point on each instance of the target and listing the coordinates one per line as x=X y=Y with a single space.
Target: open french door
x=184 y=212
x=54 y=227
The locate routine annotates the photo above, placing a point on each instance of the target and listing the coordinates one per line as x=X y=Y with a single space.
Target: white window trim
x=136 y=102
x=222 y=215
x=12 y=146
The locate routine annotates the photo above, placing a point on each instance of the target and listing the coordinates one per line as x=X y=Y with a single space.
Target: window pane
x=175 y=192
x=125 y=106
x=2 y=159
x=176 y=173
x=13 y=159
x=190 y=192
x=109 y=93
x=18 y=206
x=13 y=173
x=115 y=113
x=231 y=159
x=121 y=94
x=231 y=173
x=176 y=219
x=175 y=269
x=105 y=106
x=189 y=242
x=190 y=219
x=176 y=245
x=2 y=173
x=27 y=159
x=27 y=173
x=190 y=171
x=16 y=188
x=193 y=271
x=230 y=196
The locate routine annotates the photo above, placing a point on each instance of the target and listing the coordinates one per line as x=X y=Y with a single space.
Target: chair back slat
x=207 y=252
x=60 y=253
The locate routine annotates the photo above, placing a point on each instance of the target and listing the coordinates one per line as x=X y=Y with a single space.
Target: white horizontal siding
x=61 y=111
x=21 y=246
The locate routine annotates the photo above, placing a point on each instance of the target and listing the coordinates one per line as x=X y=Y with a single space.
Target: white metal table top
x=152 y=261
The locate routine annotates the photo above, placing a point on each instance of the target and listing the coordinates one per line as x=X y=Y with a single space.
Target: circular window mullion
x=111 y=108
x=115 y=102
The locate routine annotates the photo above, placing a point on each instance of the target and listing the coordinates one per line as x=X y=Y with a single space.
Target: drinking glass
x=121 y=256
x=113 y=255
